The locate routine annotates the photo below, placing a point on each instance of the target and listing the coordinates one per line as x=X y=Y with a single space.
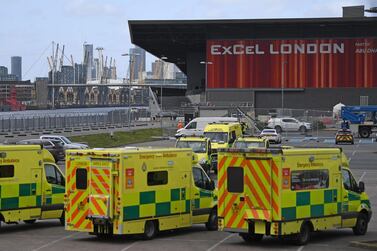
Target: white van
x=196 y=126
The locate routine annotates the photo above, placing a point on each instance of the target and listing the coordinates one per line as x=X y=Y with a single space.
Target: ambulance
x=289 y=193
x=222 y=135
x=31 y=185
x=137 y=191
x=201 y=146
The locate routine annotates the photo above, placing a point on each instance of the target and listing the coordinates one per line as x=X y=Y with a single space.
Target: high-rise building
x=67 y=74
x=16 y=67
x=95 y=70
x=3 y=71
x=137 y=55
x=163 y=70
x=88 y=60
x=157 y=69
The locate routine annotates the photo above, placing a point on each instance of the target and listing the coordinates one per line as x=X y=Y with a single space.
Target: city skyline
x=76 y=22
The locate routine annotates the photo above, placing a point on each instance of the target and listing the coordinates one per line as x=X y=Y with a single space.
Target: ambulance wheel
x=250 y=238
x=150 y=230
x=303 y=236
x=361 y=226
x=211 y=225
x=30 y=221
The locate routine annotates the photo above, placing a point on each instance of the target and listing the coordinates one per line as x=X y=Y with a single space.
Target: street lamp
x=131 y=57
x=163 y=58
x=206 y=63
x=282 y=86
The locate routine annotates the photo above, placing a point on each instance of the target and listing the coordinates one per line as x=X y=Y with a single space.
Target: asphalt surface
x=49 y=235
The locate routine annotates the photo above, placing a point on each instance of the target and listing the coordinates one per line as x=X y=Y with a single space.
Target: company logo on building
x=256 y=49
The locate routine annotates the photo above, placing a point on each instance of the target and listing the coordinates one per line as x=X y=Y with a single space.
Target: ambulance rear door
x=100 y=189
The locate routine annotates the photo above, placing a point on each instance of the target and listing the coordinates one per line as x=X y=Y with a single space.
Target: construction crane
x=61 y=59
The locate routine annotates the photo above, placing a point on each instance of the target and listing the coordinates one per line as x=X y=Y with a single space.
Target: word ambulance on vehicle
x=289 y=192
x=31 y=185
x=137 y=191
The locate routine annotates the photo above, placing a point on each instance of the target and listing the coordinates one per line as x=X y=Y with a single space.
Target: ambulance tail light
x=118 y=206
x=276 y=228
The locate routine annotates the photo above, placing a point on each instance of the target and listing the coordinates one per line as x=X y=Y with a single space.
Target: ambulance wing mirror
x=361 y=187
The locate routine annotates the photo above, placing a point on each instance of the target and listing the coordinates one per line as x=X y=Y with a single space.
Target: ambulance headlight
x=202 y=161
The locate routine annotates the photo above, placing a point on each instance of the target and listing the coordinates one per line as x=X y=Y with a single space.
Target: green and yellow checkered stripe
x=15 y=196
x=308 y=204
x=155 y=203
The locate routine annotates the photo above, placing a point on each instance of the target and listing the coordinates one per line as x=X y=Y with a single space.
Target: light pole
x=206 y=63
x=282 y=87
x=163 y=58
x=131 y=59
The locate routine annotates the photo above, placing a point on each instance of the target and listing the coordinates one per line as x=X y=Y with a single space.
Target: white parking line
x=129 y=246
x=300 y=248
x=55 y=241
x=362 y=176
x=353 y=153
x=219 y=243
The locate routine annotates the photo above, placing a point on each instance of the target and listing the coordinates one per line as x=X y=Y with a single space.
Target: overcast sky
x=28 y=27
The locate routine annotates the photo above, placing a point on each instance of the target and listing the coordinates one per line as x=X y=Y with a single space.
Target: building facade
x=298 y=63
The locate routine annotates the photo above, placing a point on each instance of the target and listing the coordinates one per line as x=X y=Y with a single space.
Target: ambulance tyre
x=250 y=237
x=361 y=226
x=30 y=221
x=303 y=236
x=150 y=230
x=211 y=225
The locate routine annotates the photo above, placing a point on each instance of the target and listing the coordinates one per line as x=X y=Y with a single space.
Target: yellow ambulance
x=289 y=192
x=137 y=191
x=201 y=146
x=222 y=135
x=31 y=185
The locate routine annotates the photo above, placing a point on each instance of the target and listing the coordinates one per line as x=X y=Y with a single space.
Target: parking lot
x=49 y=235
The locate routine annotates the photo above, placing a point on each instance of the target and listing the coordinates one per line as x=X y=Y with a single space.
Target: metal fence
x=38 y=122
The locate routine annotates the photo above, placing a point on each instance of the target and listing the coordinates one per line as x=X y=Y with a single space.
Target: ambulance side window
x=200 y=179
x=235 y=179
x=81 y=178
x=53 y=176
x=349 y=182
x=157 y=178
x=7 y=171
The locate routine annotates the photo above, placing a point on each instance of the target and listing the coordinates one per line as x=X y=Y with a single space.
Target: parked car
x=67 y=144
x=288 y=124
x=53 y=146
x=271 y=135
x=344 y=136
